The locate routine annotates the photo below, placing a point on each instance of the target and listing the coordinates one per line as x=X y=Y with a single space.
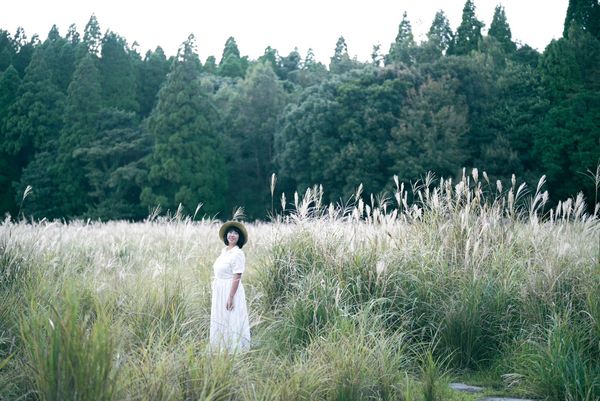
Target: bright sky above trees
x=283 y=25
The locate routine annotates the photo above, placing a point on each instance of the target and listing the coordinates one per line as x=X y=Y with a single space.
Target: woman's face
x=232 y=237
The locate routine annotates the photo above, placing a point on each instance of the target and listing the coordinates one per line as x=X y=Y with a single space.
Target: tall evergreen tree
x=340 y=62
x=84 y=102
x=33 y=128
x=7 y=49
x=403 y=48
x=468 y=33
x=232 y=64
x=72 y=35
x=270 y=56
x=376 y=56
x=570 y=65
x=289 y=66
x=9 y=86
x=151 y=75
x=312 y=71
x=585 y=15
x=9 y=164
x=439 y=38
x=567 y=143
x=117 y=78
x=114 y=166
x=500 y=30
x=308 y=127
x=187 y=165
x=59 y=54
x=249 y=125
x=92 y=36
x=210 y=65
x=515 y=115
x=24 y=50
x=36 y=116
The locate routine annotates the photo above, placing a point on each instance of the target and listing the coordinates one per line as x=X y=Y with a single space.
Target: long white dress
x=229 y=330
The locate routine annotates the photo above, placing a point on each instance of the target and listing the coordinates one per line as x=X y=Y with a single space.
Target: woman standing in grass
x=229 y=323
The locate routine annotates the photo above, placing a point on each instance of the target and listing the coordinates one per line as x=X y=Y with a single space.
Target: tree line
x=91 y=129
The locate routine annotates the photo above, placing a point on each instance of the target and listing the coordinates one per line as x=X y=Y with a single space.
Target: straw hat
x=227 y=225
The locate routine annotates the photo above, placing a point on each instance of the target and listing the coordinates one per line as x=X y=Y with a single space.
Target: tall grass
x=70 y=351
x=377 y=298
x=559 y=363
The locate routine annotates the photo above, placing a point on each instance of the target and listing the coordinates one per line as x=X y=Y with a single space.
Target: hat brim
x=227 y=225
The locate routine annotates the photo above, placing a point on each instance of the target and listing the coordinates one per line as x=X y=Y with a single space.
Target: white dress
x=229 y=330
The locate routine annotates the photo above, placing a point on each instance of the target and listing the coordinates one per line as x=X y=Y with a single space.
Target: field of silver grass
x=387 y=299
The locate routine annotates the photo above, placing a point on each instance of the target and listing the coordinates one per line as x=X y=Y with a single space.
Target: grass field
x=383 y=300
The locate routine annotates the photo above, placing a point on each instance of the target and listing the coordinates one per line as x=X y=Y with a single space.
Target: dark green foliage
x=210 y=65
x=60 y=56
x=314 y=115
x=232 y=64
x=9 y=85
x=376 y=56
x=571 y=65
x=7 y=49
x=186 y=165
x=248 y=128
x=92 y=36
x=9 y=166
x=270 y=56
x=475 y=81
x=114 y=167
x=23 y=50
x=44 y=175
x=430 y=136
x=289 y=66
x=36 y=115
x=341 y=62
x=312 y=71
x=500 y=30
x=33 y=121
x=151 y=75
x=567 y=143
x=338 y=132
x=72 y=35
x=403 y=48
x=584 y=15
x=508 y=120
x=458 y=99
x=117 y=77
x=9 y=173
x=527 y=55
x=439 y=38
x=468 y=33
x=84 y=101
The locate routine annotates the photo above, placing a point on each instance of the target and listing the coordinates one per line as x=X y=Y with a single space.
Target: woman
x=229 y=324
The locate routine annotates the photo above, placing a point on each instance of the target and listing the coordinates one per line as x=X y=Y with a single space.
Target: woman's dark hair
x=241 y=240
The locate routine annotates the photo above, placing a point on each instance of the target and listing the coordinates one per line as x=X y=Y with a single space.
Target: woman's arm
x=235 y=283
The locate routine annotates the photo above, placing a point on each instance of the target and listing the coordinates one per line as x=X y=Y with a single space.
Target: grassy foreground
x=384 y=301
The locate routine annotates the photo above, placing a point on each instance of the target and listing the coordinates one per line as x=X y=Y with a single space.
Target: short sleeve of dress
x=239 y=262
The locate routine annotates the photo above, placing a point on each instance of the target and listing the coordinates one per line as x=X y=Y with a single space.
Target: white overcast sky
x=282 y=24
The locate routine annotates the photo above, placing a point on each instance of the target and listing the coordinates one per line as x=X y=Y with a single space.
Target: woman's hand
x=235 y=282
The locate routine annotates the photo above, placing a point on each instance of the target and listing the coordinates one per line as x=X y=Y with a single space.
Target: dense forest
x=90 y=128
